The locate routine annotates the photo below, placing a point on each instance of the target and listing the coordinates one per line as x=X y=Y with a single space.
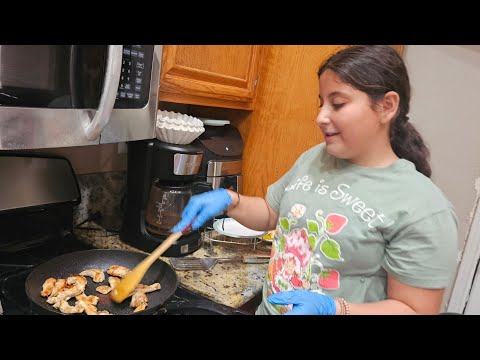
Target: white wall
x=445 y=107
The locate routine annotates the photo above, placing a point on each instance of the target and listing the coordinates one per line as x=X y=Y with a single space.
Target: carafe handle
x=201 y=187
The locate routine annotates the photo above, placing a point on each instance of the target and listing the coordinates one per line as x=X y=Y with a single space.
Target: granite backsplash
x=103 y=199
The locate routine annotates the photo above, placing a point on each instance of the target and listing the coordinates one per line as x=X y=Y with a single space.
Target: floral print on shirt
x=296 y=251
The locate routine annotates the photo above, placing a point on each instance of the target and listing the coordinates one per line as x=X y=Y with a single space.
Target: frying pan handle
x=201 y=187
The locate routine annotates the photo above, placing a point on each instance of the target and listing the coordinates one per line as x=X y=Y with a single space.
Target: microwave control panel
x=134 y=86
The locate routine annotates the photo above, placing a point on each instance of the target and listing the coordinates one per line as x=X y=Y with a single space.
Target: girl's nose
x=322 y=117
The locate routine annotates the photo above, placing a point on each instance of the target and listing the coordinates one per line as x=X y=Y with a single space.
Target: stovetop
x=16 y=266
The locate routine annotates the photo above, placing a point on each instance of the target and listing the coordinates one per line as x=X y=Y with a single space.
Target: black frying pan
x=73 y=263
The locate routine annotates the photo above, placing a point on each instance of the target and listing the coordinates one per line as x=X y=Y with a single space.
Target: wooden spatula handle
x=126 y=286
x=164 y=246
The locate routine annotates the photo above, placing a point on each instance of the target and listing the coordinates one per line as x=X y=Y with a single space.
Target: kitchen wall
x=445 y=107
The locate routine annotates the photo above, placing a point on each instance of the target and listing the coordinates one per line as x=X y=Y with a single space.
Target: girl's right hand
x=203 y=207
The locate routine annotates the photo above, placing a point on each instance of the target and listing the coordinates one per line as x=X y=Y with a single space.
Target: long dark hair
x=376 y=70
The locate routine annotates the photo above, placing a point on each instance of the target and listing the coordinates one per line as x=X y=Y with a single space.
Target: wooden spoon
x=126 y=286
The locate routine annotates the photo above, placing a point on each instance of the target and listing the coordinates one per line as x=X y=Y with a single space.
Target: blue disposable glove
x=203 y=207
x=305 y=302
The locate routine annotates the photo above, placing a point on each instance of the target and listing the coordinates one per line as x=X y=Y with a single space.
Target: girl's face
x=352 y=128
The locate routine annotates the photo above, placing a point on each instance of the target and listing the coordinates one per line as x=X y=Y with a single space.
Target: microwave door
x=45 y=101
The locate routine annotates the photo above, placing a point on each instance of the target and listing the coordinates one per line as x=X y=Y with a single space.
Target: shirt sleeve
x=276 y=190
x=423 y=254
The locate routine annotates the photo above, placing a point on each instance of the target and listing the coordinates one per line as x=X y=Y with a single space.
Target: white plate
x=214 y=122
x=231 y=227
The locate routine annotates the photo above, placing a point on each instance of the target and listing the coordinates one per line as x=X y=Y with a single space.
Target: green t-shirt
x=342 y=227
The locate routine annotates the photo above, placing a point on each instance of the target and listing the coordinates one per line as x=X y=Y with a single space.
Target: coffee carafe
x=165 y=205
x=161 y=179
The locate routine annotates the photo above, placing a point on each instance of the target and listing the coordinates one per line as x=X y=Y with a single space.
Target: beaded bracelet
x=345 y=308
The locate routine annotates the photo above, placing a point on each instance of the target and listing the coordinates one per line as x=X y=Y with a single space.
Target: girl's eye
x=337 y=106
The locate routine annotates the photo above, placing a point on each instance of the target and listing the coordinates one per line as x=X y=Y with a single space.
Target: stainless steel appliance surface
x=34 y=181
x=75 y=95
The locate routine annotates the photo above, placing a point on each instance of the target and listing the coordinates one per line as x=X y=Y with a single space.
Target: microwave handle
x=109 y=94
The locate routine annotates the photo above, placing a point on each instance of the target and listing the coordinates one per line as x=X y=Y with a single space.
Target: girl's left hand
x=305 y=302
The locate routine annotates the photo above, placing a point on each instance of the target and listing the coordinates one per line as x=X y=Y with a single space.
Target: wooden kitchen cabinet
x=210 y=75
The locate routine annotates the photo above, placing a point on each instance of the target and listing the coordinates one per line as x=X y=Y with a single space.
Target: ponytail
x=407 y=143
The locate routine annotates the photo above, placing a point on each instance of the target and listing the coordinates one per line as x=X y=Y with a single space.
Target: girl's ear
x=389 y=106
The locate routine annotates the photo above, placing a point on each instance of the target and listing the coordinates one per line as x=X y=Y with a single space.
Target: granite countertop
x=231 y=284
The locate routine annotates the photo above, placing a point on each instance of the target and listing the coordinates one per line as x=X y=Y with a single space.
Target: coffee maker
x=222 y=147
x=161 y=178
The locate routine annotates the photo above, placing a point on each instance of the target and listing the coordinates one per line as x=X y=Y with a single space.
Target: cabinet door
x=210 y=75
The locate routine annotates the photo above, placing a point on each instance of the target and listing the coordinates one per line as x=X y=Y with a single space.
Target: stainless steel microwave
x=75 y=95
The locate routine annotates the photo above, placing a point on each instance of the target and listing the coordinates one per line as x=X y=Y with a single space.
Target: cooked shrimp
x=59 y=291
x=52 y=300
x=89 y=308
x=148 y=288
x=103 y=289
x=96 y=274
x=92 y=299
x=117 y=270
x=59 y=285
x=65 y=308
x=138 y=298
x=140 y=308
x=75 y=286
x=47 y=286
x=103 y=312
x=78 y=281
x=113 y=281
